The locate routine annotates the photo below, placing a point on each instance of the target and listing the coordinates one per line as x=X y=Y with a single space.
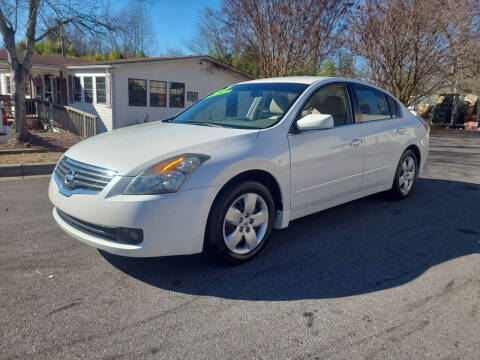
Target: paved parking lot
x=372 y=279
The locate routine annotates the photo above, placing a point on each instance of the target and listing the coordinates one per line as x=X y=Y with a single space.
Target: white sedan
x=245 y=159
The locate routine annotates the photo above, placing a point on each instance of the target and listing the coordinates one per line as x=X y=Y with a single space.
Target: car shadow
x=360 y=247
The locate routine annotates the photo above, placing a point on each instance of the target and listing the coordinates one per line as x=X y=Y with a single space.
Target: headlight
x=166 y=176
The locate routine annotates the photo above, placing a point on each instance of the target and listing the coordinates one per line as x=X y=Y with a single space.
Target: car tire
x=240 y=222
x=405 y=176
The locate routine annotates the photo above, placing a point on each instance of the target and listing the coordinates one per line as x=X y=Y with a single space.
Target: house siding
x=198 y=76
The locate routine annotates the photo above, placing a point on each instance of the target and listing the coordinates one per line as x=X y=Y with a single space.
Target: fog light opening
x=130 y=236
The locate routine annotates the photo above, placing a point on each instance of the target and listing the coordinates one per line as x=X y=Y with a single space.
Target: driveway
x=372 y=279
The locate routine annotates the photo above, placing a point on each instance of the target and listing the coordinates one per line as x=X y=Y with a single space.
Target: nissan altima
x=245 y=159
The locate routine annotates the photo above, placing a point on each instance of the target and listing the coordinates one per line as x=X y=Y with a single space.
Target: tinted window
x=137 y=92
x=331 y=100
x=372 y=104
x=393 y=107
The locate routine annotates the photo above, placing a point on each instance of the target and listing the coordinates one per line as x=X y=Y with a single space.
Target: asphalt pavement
x=372 y=279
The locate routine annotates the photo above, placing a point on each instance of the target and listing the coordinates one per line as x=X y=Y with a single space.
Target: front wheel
x=240 y=222
x=405 y=176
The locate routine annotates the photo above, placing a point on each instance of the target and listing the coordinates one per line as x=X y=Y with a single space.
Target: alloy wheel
x=245 y=223
x=407 y=174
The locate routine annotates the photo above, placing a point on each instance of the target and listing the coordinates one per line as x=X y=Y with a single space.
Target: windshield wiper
x=201 y=123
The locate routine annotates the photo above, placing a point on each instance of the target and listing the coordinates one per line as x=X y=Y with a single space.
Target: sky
x=175 y=21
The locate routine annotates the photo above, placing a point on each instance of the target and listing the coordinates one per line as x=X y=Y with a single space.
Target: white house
x=128 y=91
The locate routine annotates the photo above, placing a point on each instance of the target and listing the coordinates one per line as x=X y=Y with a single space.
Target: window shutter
x=70 y=89
x=108 y=92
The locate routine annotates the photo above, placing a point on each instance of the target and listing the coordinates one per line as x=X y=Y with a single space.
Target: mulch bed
x=50 y=145
x=40 y=139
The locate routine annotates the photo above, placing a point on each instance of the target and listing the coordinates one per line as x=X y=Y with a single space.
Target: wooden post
x=51 y=114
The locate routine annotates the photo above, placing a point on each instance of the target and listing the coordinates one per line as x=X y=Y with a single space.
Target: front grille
x=76 y=177
x=120 y=235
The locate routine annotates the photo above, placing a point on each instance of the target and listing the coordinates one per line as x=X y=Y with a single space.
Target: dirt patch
x=30 y=158
x=39 y=139
x=53 y=144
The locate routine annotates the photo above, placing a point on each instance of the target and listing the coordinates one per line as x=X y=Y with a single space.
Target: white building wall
x=101 y=110
x=199 y=76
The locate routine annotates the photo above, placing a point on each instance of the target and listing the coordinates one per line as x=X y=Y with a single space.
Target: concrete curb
x=16 y=170
x=25 y=151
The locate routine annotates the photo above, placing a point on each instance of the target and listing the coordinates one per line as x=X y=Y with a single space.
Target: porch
x=47 y=113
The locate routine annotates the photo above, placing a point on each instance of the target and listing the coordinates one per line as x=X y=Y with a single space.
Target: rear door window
x=393 y=107
x=371 y=104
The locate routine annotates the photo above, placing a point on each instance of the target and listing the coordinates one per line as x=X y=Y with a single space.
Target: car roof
x=290 y=79
x=309 y=80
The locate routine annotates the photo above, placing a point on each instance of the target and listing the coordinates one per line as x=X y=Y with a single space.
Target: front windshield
x=247 y=106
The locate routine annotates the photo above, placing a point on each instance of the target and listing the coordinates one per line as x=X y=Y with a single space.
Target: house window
x=58 y=91
x=137 y=92
x=27 y=88
x=158 y=93
x=192 y=96
x=8 y=82
x=77 y=89
x=48 y=87
x=38 y=85
x=88 y=89
x=177 y=95
x=101 y=90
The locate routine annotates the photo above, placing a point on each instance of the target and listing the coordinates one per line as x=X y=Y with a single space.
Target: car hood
x=133 y=149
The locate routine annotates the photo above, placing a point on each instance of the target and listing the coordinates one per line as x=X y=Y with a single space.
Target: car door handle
x=401 y=131
x=356 y=142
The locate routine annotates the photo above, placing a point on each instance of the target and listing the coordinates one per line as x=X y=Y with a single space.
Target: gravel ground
x=372 y=279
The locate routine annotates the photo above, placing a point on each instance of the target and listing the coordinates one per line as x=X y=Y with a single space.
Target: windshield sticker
x=221 y=91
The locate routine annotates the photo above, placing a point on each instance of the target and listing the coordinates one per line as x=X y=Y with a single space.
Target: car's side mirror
x=315 y=122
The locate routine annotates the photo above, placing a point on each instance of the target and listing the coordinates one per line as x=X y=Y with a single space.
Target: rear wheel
x=405 y=176
x=240 y=222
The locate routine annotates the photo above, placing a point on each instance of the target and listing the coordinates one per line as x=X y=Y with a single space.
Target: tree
x=40 y=19
x=281 y=37
x=134 y=34
x=409 y=45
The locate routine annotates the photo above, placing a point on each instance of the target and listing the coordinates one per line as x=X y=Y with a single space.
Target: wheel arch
x=416 y=151
x=262 y=176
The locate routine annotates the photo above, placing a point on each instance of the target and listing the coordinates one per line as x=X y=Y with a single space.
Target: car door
x=384 y=134
x=326 y=164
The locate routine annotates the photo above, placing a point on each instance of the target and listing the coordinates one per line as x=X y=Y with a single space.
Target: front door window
x=332 y=100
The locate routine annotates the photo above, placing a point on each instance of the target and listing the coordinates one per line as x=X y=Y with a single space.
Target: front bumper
x=172 y=224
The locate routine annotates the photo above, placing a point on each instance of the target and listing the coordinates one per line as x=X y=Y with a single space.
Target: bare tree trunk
x=20 y=104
